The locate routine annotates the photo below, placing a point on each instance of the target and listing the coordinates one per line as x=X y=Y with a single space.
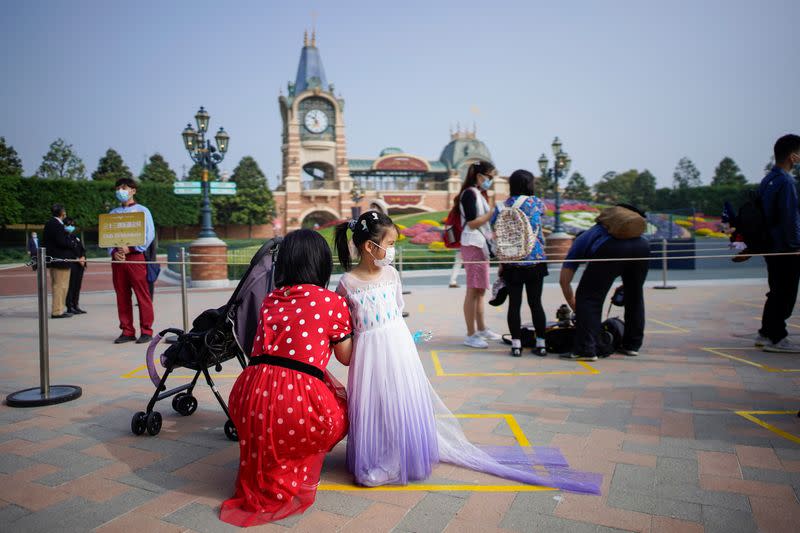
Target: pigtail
x=343 y=246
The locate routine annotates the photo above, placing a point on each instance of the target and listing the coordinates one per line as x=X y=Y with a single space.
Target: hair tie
x=352 y=224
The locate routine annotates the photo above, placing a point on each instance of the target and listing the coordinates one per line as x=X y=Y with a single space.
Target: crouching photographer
x=616 y=234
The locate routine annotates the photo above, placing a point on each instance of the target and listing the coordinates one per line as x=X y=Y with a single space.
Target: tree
x=253 y=202
x=544 y=186
x=61 y=163
x=727 y=173
x=196 y=173
x=686 y=174
x=10 y=163
x=157 y=169
x=577 y=189
x=643 y=190
x=111 y=167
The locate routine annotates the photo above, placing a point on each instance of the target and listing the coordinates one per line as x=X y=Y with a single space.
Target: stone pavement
x=699 y=433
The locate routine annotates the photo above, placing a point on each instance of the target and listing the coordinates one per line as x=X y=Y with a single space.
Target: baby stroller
x=217 y=335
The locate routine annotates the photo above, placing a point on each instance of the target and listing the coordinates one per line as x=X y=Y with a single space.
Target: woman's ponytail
x=343 y=246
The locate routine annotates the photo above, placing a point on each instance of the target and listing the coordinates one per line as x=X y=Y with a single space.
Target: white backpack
x=514 y=235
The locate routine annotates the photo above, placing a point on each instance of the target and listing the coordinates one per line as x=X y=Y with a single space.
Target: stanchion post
x=44 y=394
x=44 y=339
x=400 y=269
x=184 y=295
x=664 y=266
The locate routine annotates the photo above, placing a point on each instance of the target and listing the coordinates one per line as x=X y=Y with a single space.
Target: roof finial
x=305 y=38
x=313 y=28
x=313 y=38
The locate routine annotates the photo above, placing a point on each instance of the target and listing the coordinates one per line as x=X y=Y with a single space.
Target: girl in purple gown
x=399 y=427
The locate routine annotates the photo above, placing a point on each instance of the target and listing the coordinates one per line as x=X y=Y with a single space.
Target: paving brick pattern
x=661 y=428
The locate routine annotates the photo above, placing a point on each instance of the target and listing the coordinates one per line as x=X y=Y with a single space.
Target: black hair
x=634 y=209
x=304 y=257
x=125 y=181
x=478 y=167
x=57 y=209
x=69 y=221
x=520 y=183
x=786 y=146
x=370 y=226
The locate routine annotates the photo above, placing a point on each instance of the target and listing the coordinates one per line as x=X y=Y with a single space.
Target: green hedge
x=706 y=199
x=85 y=200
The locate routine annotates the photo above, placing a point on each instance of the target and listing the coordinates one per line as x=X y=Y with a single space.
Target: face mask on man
x=387 y=259
x=123 y=195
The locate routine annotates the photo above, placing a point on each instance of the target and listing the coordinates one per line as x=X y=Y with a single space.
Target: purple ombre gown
x=399 y=427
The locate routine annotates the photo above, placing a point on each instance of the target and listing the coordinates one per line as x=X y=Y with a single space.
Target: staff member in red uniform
x=130 y=273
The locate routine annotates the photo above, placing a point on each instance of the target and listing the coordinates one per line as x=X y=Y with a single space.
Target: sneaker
x=488 y=335
x=629 y=353
x=124 y=338
x=540 y=351
x=577 y=357
x=454 y=285
x=143 y=338
x=759 y=341
x=782 y=346
x=475 y=341
x=516 y=348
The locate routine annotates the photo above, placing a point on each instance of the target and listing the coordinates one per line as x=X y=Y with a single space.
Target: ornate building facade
x=319 y=184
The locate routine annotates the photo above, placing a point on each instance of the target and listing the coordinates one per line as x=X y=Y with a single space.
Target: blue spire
x=310 y=72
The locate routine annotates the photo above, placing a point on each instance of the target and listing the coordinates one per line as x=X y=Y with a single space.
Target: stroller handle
x=176 y=331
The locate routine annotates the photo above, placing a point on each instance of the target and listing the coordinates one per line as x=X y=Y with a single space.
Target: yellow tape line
x=765 y=368
x=749 y=416
x=437 y=365
x=671 y=326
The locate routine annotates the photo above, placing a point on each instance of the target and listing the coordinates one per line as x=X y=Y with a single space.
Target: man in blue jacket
x=778 y=194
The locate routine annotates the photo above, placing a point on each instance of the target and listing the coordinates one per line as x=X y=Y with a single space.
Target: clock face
x=316 y=121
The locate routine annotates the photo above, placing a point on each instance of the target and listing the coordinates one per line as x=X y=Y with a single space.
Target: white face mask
x=387 y=259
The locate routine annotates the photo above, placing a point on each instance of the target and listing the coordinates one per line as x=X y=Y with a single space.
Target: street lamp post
x=202 y=152
x=561 y=164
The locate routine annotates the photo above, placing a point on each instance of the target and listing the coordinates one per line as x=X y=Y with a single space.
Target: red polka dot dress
x=287 y=420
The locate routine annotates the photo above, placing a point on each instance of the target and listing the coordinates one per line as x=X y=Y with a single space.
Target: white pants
x=456 y=268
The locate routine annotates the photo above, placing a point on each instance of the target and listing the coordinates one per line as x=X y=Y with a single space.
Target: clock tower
x=315 y=168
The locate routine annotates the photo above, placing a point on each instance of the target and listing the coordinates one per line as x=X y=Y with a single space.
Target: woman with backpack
x=529 y=271
x=476 y=233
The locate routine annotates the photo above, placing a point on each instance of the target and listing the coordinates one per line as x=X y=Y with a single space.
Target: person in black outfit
x=76 y=269
x=617 y=234
x=779 y=197
x=56 y=240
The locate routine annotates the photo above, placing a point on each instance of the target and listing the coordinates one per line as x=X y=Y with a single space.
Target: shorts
x=476 y=265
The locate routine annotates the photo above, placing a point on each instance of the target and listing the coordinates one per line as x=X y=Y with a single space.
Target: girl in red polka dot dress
x=288 y=411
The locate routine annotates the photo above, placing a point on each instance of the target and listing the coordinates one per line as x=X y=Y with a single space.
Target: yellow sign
x=121 y=229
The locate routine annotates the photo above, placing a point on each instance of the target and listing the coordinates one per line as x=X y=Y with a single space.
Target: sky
x=624 y=83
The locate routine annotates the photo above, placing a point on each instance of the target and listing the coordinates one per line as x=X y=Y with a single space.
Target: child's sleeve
x=339 y=327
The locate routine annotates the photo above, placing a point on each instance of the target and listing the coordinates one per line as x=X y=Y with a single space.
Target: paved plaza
x=698 y=433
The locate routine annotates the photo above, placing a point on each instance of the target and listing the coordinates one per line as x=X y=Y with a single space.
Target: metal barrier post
x=400 y=270
x=44 y=394
x=184 y=295
x=664 y=267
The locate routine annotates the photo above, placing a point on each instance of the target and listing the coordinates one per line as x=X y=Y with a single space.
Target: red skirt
x=287 y=421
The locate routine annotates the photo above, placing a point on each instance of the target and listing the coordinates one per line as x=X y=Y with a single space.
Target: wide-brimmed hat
x=621 y=222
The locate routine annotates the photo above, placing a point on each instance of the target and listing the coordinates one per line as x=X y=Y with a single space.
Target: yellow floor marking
x=789 y=324
x=134 y=371
x=437 y=365
x=778 y=431
x=421 y=308
x=747 y=304
x=766 y=368
x=414 y=488
x=673 y=327
x=510 y=420
x=140 y=372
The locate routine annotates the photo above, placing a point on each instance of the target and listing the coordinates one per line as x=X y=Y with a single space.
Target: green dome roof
x=391 y=150
x=461 y=151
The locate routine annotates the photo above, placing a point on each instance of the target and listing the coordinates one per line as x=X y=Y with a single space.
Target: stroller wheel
x=230 y=431
x=185 y=404
x=153 y=423
x=138 y=423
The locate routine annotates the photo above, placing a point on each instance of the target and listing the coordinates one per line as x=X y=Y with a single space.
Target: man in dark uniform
x=76 y=269
x=56 y=240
